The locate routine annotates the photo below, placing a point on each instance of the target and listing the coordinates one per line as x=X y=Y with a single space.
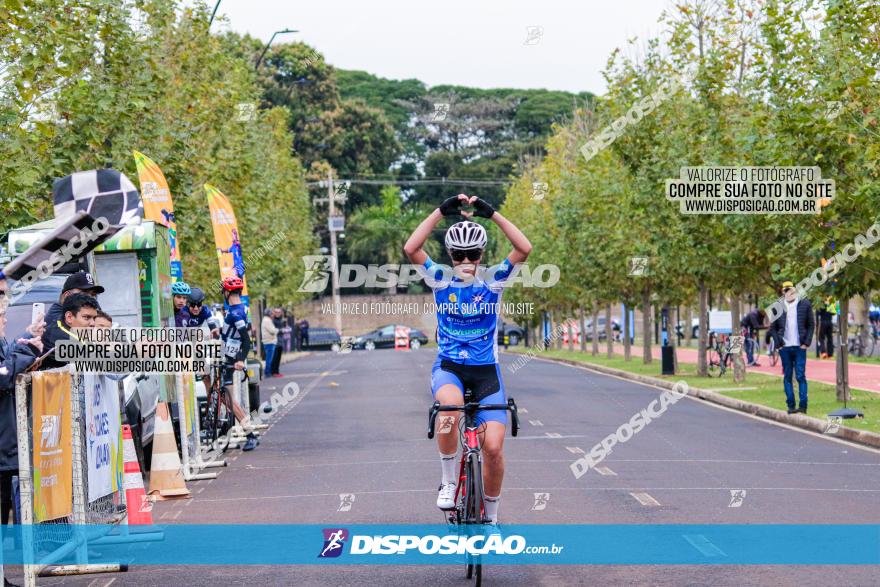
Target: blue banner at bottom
x=283 y=544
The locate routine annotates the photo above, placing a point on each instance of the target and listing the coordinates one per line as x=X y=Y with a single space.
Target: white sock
x=491 y=504
x=447 y=464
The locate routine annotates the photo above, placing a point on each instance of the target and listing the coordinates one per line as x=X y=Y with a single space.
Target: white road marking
x=548 y=437
x=605 y=471
x=645 y=499
x=536 y=423
x=553 y=435
x=704 y=545
x=532 y=489
x=521 y=410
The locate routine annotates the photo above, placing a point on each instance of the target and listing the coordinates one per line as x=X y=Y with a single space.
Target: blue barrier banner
x=297 y=544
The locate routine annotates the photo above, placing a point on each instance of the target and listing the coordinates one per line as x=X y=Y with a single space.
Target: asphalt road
x=359 y=428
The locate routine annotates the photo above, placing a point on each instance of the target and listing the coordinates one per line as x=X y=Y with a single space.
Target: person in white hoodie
x=269 y=336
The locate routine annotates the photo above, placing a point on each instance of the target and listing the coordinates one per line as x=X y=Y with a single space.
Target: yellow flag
x=158 y=205
x=227 y=239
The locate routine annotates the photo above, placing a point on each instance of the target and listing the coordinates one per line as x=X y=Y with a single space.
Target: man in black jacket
x=14 y=359
x=80 y=282
x=792 y=332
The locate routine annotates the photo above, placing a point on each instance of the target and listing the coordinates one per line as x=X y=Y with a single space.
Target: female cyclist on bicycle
x=467 y=316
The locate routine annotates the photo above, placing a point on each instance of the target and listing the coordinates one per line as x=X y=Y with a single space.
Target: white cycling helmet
x=466 y=235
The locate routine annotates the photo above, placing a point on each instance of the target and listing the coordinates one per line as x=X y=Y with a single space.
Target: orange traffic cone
x=138 y=505
x=166 y=473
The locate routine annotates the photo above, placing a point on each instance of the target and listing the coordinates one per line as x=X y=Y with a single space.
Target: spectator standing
x=295 y=334
x=80 y=282
x=269 y=335
x=278 y=320
x=793 y=332
x=304 y=333
x=14 y=359
x=78 y=311
x=825 y=340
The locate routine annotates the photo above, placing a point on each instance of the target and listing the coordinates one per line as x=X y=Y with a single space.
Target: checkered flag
x=85 y=200
x=102 y=193
x=42 y=250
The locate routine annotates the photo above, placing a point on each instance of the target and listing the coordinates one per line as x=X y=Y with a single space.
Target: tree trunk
x=739 y=368
x=609 y=335
x=865 y=321
x=843 y=351
x=582 y=329
x=702 y=367
x=595 y=328
x=570 y=328
x=627 y=351
x=688 y=329
x=646 y=325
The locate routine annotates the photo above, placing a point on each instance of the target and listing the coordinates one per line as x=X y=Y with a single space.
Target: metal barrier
x=62 y=536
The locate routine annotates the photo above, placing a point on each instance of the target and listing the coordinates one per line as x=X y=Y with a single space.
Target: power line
x=442 y=181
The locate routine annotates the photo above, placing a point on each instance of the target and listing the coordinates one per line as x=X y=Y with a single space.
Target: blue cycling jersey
x=467 y=312
x=190 y=321
x=236 y=340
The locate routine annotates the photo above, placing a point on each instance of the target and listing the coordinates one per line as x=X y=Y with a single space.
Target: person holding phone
x=15 y=358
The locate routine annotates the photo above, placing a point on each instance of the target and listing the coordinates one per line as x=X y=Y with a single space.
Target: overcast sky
x=476 y=43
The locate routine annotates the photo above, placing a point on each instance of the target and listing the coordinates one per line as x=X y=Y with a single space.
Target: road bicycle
x=720 y=356
x=218 y=417
x=469 y=498
x=866 y=348
x=772 y=352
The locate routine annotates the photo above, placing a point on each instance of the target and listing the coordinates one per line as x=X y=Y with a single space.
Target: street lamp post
x=213 y=14
x=266 y=48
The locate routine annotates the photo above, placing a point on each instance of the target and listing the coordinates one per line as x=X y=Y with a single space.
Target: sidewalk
x=861 y=375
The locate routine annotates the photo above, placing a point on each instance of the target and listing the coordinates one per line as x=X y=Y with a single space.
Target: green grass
x=768 y=388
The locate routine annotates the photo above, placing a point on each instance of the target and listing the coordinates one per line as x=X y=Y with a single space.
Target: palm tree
x=378 y=232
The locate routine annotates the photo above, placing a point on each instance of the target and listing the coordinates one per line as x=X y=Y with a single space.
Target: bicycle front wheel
x=714 y=363
x=474 y=509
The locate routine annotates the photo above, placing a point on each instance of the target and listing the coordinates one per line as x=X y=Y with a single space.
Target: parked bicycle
x=720 y=356
x=772 y=352
x=863 y=346
x=469 y=505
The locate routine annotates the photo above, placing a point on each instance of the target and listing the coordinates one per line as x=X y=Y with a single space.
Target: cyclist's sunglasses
x=194 y=304
x=470 y=254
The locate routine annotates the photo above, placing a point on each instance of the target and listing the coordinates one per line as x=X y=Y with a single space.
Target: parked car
x=384 y=337
x=322 y=338
x=513 y=333
x=600 y=325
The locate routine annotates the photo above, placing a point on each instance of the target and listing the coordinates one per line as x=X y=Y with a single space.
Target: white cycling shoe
x=446 y=497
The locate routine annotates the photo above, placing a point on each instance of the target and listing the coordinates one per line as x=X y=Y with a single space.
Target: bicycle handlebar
x=474 y=406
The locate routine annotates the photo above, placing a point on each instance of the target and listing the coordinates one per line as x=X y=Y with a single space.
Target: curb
x=863 y=437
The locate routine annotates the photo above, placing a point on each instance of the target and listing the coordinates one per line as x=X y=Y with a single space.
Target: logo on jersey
x=334 y=541
x=453 y=298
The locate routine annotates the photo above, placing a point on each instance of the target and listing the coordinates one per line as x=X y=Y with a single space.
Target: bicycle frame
x=471 y=444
